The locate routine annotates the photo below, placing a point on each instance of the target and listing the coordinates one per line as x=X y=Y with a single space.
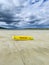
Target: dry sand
x=33 y=52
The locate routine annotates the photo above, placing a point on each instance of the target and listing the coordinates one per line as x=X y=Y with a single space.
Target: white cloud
x=40 y=10
x=3 y=23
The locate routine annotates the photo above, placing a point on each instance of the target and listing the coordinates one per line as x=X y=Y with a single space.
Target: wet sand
x=33 y=52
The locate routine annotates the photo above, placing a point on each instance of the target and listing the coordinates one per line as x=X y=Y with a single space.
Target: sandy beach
x=32 y=52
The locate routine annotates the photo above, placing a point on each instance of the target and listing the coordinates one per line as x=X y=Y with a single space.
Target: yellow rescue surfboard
x=22 y=37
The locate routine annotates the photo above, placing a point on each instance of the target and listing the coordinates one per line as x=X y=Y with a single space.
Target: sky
x=24 y=14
